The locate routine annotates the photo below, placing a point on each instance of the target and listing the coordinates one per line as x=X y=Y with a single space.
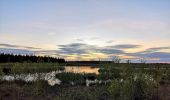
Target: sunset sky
x=87 y=29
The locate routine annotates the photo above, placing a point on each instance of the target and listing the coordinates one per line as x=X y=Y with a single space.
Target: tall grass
x=18 y=68
x=136 y=84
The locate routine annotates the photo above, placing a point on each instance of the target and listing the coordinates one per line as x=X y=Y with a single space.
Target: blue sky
x=87 y=29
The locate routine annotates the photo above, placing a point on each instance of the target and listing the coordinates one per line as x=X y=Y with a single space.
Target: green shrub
x=71 y=77
x=133 y=85
x=109 y=72
x=133 y=89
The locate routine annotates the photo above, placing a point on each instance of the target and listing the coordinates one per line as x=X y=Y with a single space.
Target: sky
x=87 y=29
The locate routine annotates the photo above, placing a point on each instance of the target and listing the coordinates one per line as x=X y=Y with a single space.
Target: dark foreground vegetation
x=40 y=90
x=116 y=81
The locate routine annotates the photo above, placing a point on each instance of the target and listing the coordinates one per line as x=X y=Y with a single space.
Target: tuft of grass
x=67 y=78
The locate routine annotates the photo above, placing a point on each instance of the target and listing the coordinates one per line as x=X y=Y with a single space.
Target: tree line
x=7 y=58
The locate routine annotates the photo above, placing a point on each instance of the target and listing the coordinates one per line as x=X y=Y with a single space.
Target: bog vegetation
x=116 y=81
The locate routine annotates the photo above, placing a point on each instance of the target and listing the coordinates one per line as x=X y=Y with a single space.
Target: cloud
x=125 y=46
x=157 y=55
x=17 y=46
x=75 y=48
x=80 y=40
x=16 y=51
x=29 y=52
x=156 y=49
x=9 y=45
x=86 y=49
x=152 y=53
x=48 y=52
x=110 y=41
x=111 y=51
x=81 y=48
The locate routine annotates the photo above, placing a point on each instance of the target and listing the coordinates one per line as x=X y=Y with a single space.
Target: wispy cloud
x=125 y=46
x=81 y=48
x=111 y=51
x=80 y=40
x=17 y=46
x=155 y=49
x=110 y=41
x=81 y=51
x=16 y=51
x=157 y=55
x=152 y=53
x=76 y=48
x=47 y=52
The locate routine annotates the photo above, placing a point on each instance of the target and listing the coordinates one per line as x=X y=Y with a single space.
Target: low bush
x=67 y=78
x=133 y=86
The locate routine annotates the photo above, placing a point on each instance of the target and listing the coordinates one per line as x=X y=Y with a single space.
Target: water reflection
x=82 y=69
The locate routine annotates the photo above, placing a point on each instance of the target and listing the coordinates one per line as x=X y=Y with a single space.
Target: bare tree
x=142 y=60
x=116 y=59
x=128 y=61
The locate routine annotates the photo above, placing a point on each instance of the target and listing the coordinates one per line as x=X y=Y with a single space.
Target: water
x=82 y=69
x=50 y=76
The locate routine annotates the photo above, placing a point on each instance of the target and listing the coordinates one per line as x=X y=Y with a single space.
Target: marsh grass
x=18 y=68
x=41 y=87
x=136 y=84
x=67 y=78
x=75 y=78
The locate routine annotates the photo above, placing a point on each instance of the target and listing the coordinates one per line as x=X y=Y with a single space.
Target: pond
x=50 y=76
x=82 y=69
